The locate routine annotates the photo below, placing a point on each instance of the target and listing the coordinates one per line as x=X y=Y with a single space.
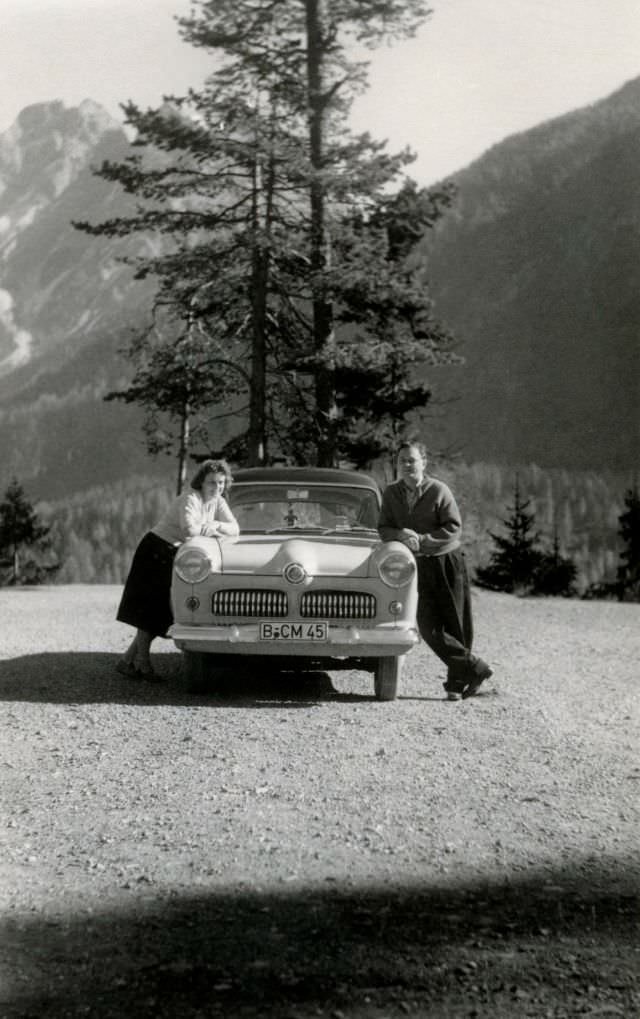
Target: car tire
x=386 y=677
x=195 y=671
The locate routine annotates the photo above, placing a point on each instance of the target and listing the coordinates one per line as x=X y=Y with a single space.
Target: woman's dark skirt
x=146 y=599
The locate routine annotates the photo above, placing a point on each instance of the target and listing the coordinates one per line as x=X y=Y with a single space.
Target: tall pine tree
x=628 y=579
x=25 y=555
x=516 y=558
x=280 y=228
x=556 y=573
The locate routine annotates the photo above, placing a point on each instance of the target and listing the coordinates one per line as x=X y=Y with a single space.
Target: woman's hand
x=210 y=530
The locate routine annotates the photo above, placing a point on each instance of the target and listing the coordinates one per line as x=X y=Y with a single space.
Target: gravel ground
x=290 y=847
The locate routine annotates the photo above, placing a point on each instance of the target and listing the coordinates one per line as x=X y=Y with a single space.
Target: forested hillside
x=95 y=532
x=536 y=271
x=583 y=506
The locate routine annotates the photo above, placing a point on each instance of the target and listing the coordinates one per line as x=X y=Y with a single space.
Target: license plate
x=294 y=631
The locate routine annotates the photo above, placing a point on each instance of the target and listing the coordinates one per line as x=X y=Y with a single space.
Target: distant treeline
x=95 y=532
x=581 y=507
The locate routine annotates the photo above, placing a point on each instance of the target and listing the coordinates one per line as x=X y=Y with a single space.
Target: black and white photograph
x=319 y=509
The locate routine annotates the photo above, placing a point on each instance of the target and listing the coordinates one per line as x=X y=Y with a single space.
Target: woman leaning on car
x=146 y=602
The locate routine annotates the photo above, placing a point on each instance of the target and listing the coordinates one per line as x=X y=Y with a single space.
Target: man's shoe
x=454 y=695
x=474 y=686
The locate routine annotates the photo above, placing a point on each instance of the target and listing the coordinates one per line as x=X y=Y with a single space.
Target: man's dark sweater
x=431 y=511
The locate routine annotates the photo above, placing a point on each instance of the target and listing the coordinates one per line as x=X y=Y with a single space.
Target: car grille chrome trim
x=270 y=604
x=337 y=605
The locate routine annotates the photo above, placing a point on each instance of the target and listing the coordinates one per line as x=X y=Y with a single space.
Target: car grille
x=249 y=603
x=337 y=605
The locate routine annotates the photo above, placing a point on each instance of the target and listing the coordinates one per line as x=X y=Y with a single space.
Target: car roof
x=305 y=476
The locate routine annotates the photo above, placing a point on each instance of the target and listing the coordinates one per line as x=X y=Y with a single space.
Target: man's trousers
x=444 y=616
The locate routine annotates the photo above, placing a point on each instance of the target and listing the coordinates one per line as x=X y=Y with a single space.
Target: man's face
x=411 y=465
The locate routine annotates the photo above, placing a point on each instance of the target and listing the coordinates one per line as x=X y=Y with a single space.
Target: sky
x=478 y=72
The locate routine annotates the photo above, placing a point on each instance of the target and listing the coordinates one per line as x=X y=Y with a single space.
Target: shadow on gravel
x=547 y=945
x=91 y=678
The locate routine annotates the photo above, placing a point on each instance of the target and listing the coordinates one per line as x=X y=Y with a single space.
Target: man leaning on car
x=421 y=512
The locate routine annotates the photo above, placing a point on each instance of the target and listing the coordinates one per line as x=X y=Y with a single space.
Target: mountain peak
x=89 y=119
x=47 y=147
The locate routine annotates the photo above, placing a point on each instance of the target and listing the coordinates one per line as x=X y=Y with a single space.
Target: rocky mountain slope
x=67 y=304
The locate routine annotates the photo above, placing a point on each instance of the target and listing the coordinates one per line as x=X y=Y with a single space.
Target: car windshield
x=264 y=509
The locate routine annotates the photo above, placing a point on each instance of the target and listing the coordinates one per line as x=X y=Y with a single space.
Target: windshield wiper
x=349 y=529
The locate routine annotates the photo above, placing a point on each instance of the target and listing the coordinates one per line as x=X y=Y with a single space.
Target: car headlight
x=396 y=569
x=192 y=565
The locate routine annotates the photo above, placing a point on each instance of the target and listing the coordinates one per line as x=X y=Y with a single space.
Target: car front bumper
x=385 y=640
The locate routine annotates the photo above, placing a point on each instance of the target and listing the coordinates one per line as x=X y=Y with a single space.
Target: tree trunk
x=263 y=187
x=256 y=440
x=316 y=18
x=183 y=450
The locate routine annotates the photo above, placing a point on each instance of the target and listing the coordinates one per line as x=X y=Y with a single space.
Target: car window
x=282 y=507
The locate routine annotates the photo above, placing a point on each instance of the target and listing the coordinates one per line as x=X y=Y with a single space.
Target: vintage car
x=308 y=584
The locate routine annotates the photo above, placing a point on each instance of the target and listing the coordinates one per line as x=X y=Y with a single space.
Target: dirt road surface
x=290 y=847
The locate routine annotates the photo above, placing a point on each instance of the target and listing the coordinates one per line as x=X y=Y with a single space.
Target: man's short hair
x=413 y=444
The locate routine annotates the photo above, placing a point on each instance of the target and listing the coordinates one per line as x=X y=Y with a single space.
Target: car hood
x=261 y=555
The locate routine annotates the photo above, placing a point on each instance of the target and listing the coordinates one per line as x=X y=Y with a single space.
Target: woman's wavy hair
x=212 y=467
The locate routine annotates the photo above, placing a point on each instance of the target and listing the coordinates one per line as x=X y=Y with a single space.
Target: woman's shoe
x=148 y=675
x=127 y=669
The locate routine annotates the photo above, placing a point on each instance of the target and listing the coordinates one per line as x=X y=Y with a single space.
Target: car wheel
x=386 y=677
x=195 y=671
